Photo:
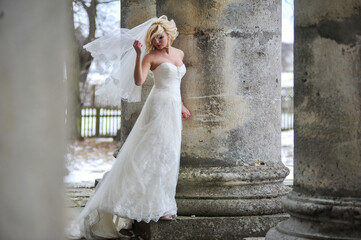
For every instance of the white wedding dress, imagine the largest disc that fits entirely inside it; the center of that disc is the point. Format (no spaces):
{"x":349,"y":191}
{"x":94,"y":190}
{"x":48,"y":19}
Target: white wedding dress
{"x":142,"y":182}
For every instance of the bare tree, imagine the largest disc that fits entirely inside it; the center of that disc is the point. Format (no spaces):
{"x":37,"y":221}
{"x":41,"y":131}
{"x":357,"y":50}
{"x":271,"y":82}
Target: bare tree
{"x":73,"y":103}
{"x":85,"y":58}
{"x":79,"y":64}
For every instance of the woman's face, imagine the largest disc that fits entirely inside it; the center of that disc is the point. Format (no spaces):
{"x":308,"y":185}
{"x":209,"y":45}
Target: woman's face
{"x":160,"y":41}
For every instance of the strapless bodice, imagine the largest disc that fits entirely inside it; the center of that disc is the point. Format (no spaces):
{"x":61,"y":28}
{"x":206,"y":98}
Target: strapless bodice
{"x":168,"y":76}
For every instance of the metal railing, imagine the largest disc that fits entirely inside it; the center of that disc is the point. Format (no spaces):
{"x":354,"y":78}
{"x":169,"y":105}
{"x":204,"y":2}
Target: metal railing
{"x":287,"y":108}
{"x":105,"y":122}
{"x":100,"y":122}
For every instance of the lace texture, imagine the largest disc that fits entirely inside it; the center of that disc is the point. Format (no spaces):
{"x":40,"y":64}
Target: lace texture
{"x":142,"y":182}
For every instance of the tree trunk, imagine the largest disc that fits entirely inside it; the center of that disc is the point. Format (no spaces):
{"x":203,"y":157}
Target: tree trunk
{"x":73,"y":103}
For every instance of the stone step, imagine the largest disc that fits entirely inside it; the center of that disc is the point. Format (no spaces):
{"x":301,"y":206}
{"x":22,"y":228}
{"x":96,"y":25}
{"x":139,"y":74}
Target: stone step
{"x":256,"y":238}
{"x":206,"y":228}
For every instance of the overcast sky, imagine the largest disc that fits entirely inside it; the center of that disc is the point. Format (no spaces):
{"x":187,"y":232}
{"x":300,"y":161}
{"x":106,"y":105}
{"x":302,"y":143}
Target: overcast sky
{"x":287,"y":21}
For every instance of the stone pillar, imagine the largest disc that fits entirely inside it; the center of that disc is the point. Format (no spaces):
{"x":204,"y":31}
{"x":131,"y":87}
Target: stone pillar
{"x":134,"y":13}
{"x":231,"y":176}
{"x":326,"y":199}
{"x":32,"y":132}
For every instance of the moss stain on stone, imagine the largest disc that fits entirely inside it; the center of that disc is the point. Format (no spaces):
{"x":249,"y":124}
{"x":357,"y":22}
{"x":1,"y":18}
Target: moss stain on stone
{"x":343,"y":31}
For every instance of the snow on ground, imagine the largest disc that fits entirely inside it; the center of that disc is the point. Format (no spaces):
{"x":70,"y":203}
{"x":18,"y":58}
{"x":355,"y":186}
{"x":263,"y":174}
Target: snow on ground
{"x":89,"y":159}
{"x":287,"y":152}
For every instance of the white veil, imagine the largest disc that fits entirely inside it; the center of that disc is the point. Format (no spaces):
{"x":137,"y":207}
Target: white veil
{"x":116,"y":51}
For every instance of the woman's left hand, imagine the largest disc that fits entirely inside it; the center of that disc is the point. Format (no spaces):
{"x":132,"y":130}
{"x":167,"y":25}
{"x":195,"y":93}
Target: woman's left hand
{"x":137,"y":45}
{"x":185,"y":113}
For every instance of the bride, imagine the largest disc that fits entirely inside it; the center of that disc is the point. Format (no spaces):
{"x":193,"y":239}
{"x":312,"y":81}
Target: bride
{"x":142,"y":182}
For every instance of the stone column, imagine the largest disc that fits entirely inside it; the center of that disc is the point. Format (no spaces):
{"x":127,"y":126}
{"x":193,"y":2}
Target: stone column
{"x":326,"y":199}
{"x":231,"y":175}
{"x":134,"y":13}
{"x":32,"y":132}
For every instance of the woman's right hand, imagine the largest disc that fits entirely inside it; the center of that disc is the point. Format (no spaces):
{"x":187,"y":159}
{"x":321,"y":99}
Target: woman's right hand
{"x":185,"y":112}
{"x":138,"y":47}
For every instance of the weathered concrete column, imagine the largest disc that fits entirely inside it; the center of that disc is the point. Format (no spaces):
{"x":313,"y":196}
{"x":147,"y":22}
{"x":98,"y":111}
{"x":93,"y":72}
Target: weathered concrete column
{"x":326,"y":199}
{"x":134,"y":13}
{"x":32,"y":133}
{"x":231,"y":175}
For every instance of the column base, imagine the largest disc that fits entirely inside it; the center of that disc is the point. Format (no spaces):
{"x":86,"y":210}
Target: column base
{"x":190,"y":228}
{"x":231,"y":191}
{"x":295,"y":229}
{"x":319,"y":218}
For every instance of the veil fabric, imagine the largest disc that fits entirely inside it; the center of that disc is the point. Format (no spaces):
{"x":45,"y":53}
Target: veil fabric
{"x":116,"y":51}
{"x":142,"y":183}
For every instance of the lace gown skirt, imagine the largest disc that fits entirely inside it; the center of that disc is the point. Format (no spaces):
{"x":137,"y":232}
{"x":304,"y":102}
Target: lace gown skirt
{"x":142,"y":182}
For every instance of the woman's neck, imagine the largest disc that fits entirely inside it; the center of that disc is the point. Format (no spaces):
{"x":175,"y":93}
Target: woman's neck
{"x":164,"y":50}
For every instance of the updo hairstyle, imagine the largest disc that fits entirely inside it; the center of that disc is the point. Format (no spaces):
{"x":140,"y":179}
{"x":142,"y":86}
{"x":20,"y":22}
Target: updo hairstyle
{"x":162,"y":24}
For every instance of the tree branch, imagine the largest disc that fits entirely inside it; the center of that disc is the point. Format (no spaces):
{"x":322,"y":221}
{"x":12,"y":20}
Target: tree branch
{"x":92,"y":12}
{"x":83,"y":4}
{"x":110,"y":1}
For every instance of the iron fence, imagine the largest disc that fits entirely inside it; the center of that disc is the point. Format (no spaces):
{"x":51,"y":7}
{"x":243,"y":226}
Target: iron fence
{"x":105,"y":122}
{"x":100,"y":122}
{"x":287,"y":108}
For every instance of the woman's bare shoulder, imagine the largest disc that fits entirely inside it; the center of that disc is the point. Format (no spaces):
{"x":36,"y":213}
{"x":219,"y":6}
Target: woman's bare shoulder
{"x":151,"y":54}
{"x":149,"y":57}
{"x":179,"y":52}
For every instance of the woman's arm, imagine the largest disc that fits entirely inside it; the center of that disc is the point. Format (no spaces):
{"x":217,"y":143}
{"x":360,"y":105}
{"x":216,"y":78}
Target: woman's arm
{"x":142,"y":68}
{"x":185,"y":112}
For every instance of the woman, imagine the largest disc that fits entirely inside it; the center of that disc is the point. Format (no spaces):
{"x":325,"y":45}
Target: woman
{"x":142,"y":182}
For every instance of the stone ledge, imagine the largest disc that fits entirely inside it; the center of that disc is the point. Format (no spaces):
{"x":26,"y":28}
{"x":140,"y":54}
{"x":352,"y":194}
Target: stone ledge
{"x":190,"y":228}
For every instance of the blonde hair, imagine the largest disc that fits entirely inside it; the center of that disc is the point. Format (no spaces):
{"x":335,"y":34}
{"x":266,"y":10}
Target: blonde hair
{"x":162,"y":24}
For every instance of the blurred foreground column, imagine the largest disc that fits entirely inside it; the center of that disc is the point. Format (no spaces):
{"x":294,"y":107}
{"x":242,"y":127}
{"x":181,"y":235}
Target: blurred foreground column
{"x":231,"y":176}
{"x":32,"y":37}
{"x":326,"y":199}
